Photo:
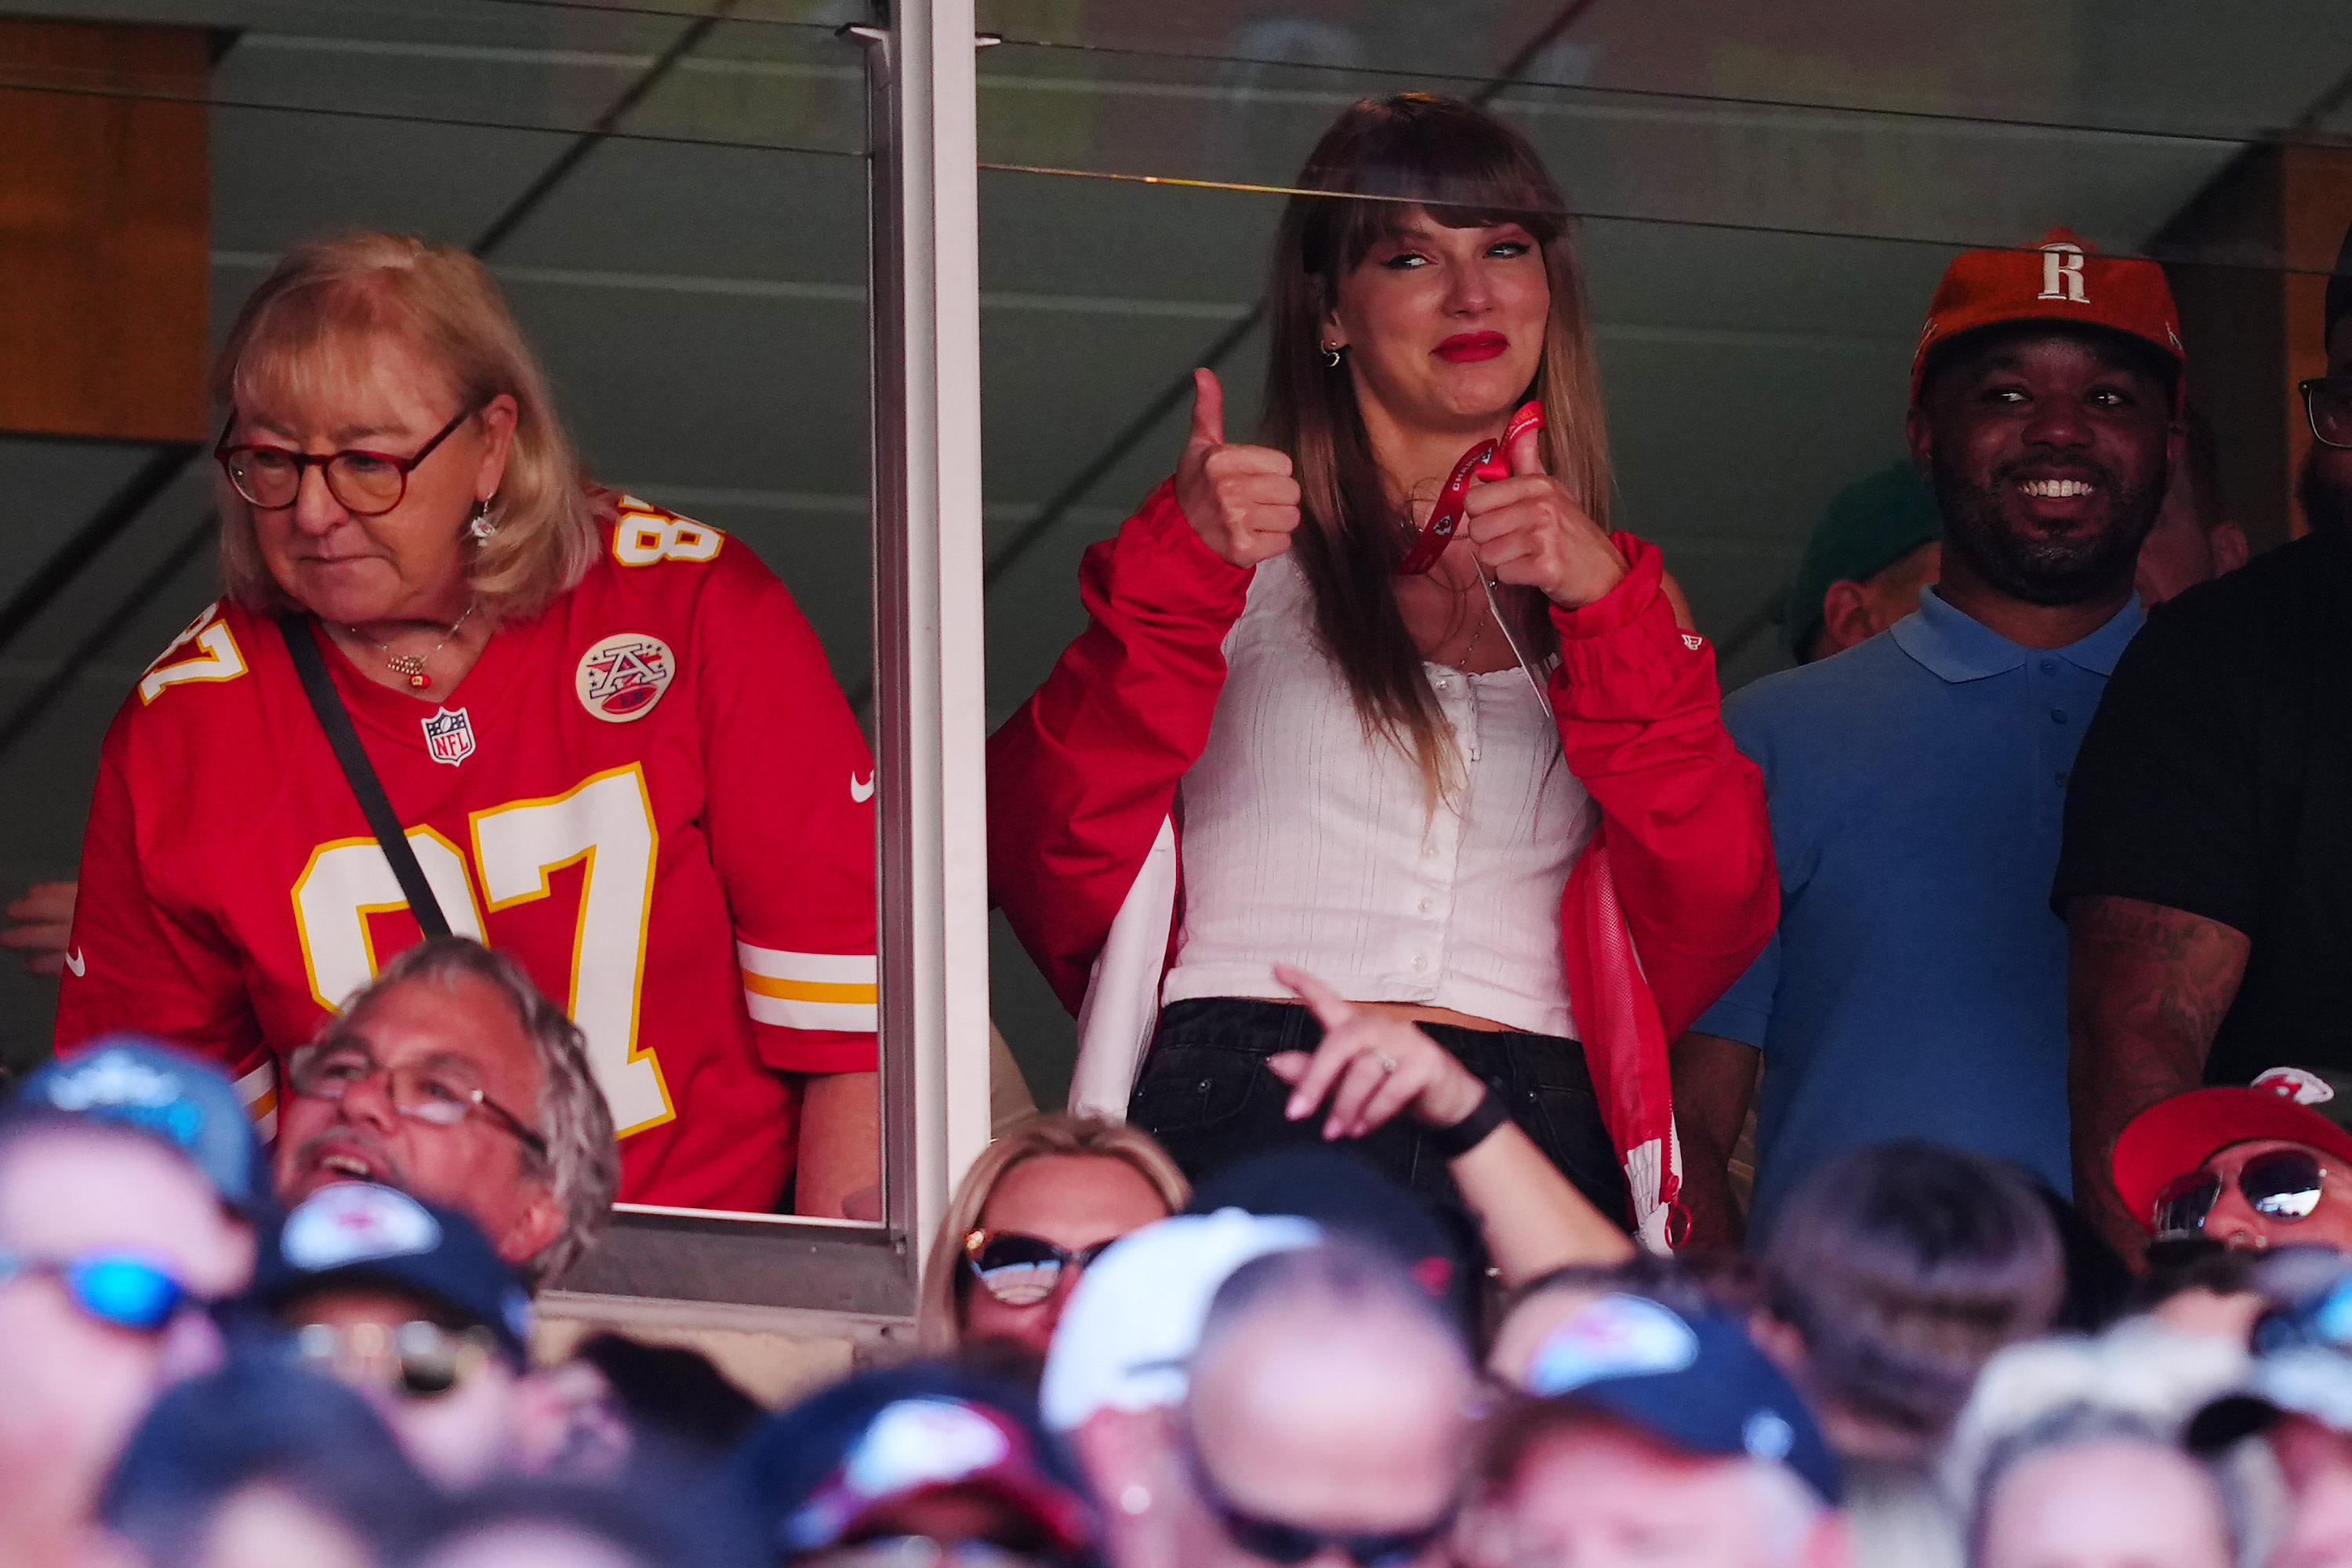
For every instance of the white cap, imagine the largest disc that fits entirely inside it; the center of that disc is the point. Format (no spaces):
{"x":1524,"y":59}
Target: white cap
{"x":1126,"y":1336}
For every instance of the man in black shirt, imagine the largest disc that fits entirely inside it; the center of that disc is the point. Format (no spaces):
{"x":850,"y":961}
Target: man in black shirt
{"x":2206,"y":877}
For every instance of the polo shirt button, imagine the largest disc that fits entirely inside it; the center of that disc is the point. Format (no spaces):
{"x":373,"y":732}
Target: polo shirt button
{"x":2057,"y":715}
{"x":1429,"y":851}
{"x":2049,"y":667}
{"x":1420,"y":960}
{"x":1427,"y":904}
{"x":2061,"y":781}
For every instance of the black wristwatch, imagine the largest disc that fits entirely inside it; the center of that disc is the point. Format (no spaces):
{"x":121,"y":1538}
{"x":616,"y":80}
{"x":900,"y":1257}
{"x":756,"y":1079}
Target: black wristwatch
{"x":1470,"y":1131}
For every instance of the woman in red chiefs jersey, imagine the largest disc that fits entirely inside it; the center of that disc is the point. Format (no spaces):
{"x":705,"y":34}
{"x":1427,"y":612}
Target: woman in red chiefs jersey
{"x":610,"y":738}
{"x":1301,"y":700}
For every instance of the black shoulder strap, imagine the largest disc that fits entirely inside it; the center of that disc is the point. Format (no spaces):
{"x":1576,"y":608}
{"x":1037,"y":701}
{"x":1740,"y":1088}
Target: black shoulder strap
{"x":302,"y":643}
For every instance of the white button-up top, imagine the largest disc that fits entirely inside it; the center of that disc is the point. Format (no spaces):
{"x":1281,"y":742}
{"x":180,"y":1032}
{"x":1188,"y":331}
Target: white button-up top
{"x":1307,"y":841}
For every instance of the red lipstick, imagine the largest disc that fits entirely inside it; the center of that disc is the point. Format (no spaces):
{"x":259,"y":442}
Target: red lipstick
{"x":1469,"y":348}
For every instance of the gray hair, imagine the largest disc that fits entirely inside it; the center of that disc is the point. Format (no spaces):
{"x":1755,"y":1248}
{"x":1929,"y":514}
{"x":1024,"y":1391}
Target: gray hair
{"x":582,"y":1163}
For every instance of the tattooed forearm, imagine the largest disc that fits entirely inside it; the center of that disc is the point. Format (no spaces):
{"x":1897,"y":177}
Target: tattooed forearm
{"x":2147,"y":989}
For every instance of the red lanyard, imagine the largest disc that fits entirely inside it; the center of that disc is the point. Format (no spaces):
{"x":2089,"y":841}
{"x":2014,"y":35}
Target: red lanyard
{"x":1486,"y":460}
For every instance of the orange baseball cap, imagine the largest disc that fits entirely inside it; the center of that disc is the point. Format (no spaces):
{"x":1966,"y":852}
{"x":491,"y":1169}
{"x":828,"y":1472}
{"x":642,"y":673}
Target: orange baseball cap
{"x":2173,"y":1137}
{"x":2060,"y":279}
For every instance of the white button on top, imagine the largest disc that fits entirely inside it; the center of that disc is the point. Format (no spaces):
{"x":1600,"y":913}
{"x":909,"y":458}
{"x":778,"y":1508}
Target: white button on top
{"x":1429,"y":851}
{"x":1420,"y":960}
{"x":1426,"y":905}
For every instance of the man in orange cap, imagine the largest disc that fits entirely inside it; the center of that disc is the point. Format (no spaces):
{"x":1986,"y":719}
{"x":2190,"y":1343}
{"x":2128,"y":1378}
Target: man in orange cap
{"x":1916,"y":987}
{"x":2206,"y":878}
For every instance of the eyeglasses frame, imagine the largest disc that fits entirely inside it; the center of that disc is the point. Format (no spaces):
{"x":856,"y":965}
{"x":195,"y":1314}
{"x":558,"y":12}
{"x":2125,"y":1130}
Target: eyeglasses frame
{"x":2306,"y":388}
{"x":1234,"y":1522}
{"x":325,"y":461}
{"x":480,"y":1101}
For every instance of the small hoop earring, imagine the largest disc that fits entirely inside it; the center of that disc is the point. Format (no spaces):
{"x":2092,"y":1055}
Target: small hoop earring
{"x":1332,"y":355}
{"x":481,"y":525}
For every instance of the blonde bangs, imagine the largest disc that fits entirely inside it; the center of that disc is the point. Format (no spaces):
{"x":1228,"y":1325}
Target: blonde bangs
{"x":312,"y":324}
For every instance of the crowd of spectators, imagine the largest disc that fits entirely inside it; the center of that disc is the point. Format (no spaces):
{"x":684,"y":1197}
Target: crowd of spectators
{"x":1530,"y":1112}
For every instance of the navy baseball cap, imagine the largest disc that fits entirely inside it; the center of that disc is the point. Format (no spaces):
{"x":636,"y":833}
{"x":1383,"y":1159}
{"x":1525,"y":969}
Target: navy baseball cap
{"x":167,"y":1094}
{"x":357,"y":1232}
{"x":827,"y":1468}
{"x":1698,"y":1383}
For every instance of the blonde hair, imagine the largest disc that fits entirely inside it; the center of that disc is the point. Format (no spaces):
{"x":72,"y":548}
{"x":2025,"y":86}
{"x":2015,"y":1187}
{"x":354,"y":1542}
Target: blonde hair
{"x":938,"y":1317}
{"x":309,"y":324}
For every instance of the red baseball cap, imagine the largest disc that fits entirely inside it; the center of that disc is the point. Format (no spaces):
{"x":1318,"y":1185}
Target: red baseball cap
{"x":2175,"y":1136}
{"x":2060,"y":279}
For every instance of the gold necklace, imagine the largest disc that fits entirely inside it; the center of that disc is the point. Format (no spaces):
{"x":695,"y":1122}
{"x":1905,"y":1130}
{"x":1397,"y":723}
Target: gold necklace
{"x":409,"y":665}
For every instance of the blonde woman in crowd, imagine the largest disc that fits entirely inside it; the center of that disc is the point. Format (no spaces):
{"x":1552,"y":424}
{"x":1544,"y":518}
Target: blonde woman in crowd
{"x":1041,"y":1204}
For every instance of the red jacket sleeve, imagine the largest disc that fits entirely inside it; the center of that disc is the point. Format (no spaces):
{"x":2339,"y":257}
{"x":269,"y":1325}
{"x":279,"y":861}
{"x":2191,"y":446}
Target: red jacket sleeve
{"x":135,"y":964}
{"x":1081,"y":777}
{"x":1640,"y":719}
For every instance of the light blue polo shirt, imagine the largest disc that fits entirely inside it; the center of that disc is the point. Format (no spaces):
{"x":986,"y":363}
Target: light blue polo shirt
{"x":1917,"y":985}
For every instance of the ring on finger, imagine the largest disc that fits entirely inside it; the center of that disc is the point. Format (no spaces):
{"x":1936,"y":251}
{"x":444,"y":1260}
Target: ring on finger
{"x":1387,"y":1063}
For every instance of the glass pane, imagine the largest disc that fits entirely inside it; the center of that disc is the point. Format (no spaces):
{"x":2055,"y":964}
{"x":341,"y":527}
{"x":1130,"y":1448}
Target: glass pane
{"x":676,"y":212}
{"x":1766,"y":197}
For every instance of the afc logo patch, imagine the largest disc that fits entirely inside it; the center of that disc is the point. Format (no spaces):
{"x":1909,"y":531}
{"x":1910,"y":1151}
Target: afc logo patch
{"x":449,"y":736}
{"x":622,"y":677}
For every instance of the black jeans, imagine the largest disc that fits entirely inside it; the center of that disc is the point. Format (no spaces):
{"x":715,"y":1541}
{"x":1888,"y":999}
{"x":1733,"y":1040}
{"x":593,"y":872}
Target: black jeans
{"x":1206,"y":1095}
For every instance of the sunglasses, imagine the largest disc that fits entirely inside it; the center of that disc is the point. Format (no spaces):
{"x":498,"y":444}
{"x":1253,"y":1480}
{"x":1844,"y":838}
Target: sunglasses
{"x":2284,"y":1184}
{"x":1022,"y":1270}
{"x":120,"y":1289}
{"x":1277,"y":1541}
{"x":417,"y":1359}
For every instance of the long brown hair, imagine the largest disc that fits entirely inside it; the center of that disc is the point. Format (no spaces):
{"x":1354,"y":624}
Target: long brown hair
{"x":1384,"y":160}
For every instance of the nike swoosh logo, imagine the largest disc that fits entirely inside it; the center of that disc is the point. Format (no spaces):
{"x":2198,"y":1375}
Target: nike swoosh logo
{"x":859,"y":792}
{"x":74,"y":962}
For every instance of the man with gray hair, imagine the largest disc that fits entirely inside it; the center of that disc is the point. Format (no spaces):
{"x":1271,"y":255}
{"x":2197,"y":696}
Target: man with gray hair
{"x":451,"y":1077}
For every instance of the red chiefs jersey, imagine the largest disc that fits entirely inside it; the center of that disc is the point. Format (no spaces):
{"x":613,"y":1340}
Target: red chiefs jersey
{"x":652,"y":794}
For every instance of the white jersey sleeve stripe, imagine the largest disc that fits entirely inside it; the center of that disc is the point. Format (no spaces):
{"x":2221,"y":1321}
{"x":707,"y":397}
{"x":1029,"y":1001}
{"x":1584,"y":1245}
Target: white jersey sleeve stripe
{"x":808,"y":968}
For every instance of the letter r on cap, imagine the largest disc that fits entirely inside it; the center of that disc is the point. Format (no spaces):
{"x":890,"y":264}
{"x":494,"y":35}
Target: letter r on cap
{"x":2061,"y":274}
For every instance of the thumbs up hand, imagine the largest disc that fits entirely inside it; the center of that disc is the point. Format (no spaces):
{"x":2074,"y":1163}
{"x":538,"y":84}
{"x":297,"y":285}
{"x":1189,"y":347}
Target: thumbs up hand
{"x":1529,"y":529}
{"x":1242,"y":500}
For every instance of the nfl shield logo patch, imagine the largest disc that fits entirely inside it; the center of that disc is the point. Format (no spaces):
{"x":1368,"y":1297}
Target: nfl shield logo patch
{"x":449,"y":736}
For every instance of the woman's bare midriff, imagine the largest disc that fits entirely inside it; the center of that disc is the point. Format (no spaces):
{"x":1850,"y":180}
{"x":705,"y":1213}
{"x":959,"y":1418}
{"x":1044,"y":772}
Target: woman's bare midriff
{"x":1414,"y":1013}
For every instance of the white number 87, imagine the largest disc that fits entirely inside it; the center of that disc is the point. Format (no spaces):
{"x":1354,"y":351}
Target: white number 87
{"x":608,"y":822}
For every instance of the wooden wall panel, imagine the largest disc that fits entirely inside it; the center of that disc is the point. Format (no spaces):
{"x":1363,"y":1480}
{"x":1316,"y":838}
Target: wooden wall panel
{"x":2248,"y":260}
{"x":104,"y":230}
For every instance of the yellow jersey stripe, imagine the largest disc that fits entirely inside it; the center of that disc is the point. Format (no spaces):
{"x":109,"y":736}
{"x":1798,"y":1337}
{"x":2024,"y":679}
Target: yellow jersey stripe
{"x":812,"y":990}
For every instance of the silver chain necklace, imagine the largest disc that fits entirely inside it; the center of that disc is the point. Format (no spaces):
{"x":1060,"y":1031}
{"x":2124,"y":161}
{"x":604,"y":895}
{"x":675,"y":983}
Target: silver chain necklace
{"x":410,"y":666}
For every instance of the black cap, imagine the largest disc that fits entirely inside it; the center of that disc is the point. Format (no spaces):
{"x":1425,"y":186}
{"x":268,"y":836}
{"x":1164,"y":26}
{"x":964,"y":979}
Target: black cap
{"x":1695,"y":1383}
{"x":359,"y":1233}
{"x":1347,"y":1194}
